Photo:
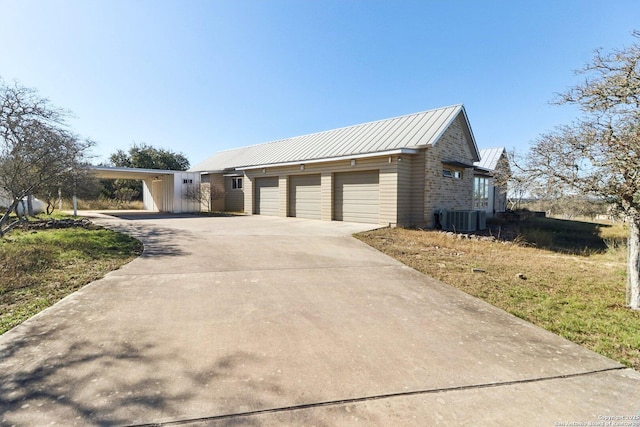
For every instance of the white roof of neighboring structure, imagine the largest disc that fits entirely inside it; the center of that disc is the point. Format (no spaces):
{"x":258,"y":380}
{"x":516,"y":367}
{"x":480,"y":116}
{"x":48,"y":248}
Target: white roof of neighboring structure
{"x":406,"y":132}
{"x":110,"y":172}
{"x":489,"y":158}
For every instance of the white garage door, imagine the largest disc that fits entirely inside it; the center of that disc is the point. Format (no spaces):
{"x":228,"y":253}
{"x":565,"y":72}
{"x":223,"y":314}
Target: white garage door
{"x":304,"y":196}
{"x":356,"y":197}
{"x":267,"y":196}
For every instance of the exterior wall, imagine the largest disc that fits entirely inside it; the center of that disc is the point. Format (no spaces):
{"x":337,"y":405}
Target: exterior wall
{"x":410,"y":184}
{"x":233,"y":197}
{"x":387,"y":165}
{"x":326,"y":196}
{"x":147,"y":200}
{"x":165,"y":193}
{"x":157,"y":193}
{"x":216,"y":183}
{"x":181,"y":181}
{"x":417,"y":187}
{"x":283,"y":186}
{"x":444,"y":192}
{"x":248,"y":195}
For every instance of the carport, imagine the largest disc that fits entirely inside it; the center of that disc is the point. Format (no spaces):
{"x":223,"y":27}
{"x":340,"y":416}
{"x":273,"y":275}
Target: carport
{"x":162,"y":190}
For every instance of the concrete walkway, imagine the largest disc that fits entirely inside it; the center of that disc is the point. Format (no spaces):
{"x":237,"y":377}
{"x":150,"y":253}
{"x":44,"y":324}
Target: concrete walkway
{"x":274,"y":321}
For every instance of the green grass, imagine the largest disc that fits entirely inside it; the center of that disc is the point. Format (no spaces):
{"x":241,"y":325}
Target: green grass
{"x":576,"y":289}
{"x":37,"y":269}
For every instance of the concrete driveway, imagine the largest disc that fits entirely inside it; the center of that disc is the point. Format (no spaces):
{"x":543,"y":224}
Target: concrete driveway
{"x":274,"y":321}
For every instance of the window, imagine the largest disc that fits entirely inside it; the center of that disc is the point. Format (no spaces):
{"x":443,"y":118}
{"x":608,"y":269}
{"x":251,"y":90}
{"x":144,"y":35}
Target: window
{"x":236,"y":183}
{"x":187,"y":181}
{"x":452,"y":173}
{"x":480,"y":192}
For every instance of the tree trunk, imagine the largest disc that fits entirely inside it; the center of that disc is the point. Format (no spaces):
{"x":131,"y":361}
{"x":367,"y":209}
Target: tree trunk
{"x":633,"y":264}
{"x":4,"y":228}
{"x":30,"y":205}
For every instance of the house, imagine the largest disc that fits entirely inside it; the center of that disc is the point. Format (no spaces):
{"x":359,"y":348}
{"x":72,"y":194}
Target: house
{"x":399,"y":171}
{"x":490,"y":195}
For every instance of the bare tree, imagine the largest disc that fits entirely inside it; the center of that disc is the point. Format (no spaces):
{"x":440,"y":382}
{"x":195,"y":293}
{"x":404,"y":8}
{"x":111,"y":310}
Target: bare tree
{"x":512,"y":178}
{"x":205,"y":193}
{"x":599,"y":155}
{"x":36,"y":147}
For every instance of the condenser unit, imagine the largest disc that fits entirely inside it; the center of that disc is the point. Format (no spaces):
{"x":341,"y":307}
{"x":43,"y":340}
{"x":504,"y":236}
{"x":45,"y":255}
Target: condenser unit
{"x":482,"y":220}
{"x":444,"y":217}
{"x":464,"y":221}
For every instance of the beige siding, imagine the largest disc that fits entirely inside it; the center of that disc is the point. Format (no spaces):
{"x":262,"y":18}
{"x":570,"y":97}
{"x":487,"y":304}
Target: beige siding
{"x":388,"y":185}
{"x":233,"y":197}
{"x":417,"y":178}
{"x":249,"y":205}
{"x":216,"y":183}
{"x":305,"y":196}
{"x":283,"y":195}
{"x":443,"y":192}
{"x":326,"y":196}
{"x":405,"y":189}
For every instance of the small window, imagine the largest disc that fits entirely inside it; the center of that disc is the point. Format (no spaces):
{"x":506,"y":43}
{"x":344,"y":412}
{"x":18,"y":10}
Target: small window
{"x":187,"y":181}
{"x":449,"y":173}
{"x":236,"y":183}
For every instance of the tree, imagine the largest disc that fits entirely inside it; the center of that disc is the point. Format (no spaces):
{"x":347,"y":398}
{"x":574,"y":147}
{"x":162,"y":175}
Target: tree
{"x":141,"y":156}
{"x":205,"y":194}
{"x":599,"y":154}
{"x":514,"y":177}
{"x":82,"y":183}
{"x":36,"y":147}
{"x":147,"y":157}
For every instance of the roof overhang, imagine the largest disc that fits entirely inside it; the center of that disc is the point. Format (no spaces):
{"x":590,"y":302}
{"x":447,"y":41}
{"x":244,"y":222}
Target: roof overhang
{"x":333,"y":159}
{"x":457,"y":164}
{"x":109,"y":172}
{"x":482,"y":171}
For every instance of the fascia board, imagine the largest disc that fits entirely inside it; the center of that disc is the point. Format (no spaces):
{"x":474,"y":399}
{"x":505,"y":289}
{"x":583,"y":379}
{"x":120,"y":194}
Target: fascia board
{"x":333,"y":159}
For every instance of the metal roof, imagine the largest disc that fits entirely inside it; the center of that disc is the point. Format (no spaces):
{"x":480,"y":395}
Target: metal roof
{"x":404,"y":132}
{"x":109,"y":172}
{"x":489,"y":158}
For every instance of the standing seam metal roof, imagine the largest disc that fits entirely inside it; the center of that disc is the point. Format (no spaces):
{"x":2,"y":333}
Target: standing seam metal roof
{"x":409,"y":131}
{"x":489,"y":158}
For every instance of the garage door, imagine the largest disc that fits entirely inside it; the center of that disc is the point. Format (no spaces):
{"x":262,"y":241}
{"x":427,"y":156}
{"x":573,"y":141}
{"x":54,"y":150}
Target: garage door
{"x":267,"y":196}
{"x":356,"y":197}
{"x":304,"y":196}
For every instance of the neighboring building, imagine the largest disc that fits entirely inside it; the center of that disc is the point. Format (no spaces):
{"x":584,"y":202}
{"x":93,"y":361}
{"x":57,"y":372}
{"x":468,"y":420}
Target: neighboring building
{"x":399,"y":171}
{"x":488,"y":195}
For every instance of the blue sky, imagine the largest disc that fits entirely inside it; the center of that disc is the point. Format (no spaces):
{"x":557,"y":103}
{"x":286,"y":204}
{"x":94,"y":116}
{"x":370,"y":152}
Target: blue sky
{"x":197,"y":76}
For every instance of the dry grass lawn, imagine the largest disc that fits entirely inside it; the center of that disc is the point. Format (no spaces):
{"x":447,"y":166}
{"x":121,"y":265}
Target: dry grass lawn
{"x":578,"y":294}
{"x":37,"y":269}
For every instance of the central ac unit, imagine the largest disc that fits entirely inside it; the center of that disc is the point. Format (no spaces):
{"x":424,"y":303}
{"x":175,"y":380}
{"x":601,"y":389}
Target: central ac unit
{"x":463,"y":221}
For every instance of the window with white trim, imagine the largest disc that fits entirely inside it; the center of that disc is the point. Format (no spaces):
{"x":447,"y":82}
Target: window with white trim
{"x":236,"y":183}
